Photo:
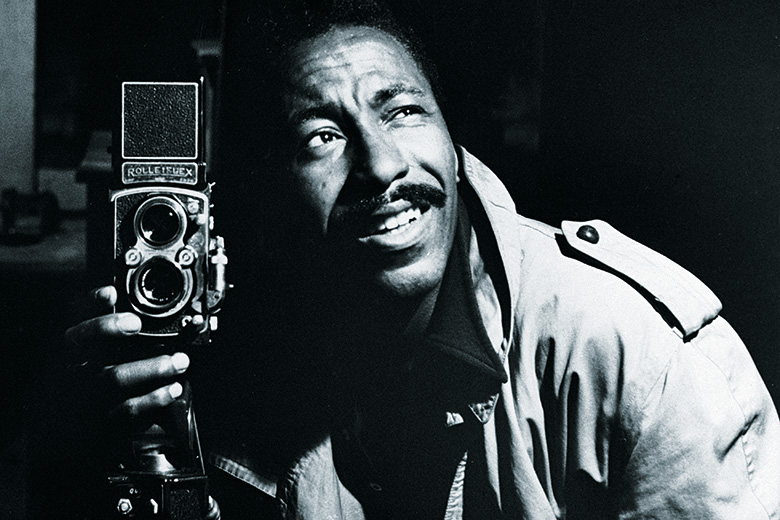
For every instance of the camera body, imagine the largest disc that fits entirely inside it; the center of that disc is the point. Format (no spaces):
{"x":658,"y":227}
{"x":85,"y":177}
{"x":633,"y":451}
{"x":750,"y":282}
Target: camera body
{"x":169,"y":269}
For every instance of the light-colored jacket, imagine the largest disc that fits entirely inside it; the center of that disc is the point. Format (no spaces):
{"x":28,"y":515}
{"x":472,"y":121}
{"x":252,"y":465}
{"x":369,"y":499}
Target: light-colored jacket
{"x":627,"y":392}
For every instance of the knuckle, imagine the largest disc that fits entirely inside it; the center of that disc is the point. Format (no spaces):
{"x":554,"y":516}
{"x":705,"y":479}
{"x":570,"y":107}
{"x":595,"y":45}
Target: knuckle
{"x":110,"y":322}
{"x":164,"y":366}
{"x":161,"y":397}
{"x":114,"y":375}
{"x":131,"y":408}
{"x":78,"y":334}
{"x":101,"y":326}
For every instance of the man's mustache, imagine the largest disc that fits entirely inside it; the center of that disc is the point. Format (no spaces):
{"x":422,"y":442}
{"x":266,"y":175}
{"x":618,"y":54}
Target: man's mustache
{"x":419,"y":195}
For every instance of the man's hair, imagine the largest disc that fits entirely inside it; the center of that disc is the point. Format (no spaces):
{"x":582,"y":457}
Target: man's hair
{"x":281,"y":27}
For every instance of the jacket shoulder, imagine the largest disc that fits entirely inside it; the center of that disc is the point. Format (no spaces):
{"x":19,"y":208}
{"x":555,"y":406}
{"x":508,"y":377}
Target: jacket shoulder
{"x":590,"y":253}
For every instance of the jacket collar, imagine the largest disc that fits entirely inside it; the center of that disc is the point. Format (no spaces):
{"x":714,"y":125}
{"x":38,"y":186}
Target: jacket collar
{"x":502,"y":215}
{"x":456,"y":326}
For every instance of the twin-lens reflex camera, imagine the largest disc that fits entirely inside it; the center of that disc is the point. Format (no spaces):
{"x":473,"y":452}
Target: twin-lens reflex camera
{"x":170,"y":270}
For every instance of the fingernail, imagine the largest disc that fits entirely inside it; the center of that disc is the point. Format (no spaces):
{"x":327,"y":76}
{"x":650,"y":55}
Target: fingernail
{"x":175,"y":390}
{"x":180,"y":361}
{"x":129,"y":323}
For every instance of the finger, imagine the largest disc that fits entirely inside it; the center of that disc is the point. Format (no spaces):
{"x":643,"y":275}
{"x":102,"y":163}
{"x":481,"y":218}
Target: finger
{"x":103,"y":298}
{"x":137,"y":406}
{"x":146,"y":372}
{"x":84,"y":339}
{"x":109,"y":325}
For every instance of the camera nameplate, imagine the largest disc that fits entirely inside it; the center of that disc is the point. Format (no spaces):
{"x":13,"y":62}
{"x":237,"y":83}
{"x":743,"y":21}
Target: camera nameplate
{"x":177,"y":173}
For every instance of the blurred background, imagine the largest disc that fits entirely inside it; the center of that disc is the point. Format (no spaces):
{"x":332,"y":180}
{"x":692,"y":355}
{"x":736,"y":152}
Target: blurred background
{"x":662,"y":118}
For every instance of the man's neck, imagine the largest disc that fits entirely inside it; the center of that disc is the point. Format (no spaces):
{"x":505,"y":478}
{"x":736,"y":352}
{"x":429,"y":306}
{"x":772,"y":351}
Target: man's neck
{"x":378,"y":334}
{"x":390,"y":316}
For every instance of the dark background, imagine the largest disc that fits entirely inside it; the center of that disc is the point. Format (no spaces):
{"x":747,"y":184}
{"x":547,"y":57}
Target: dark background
{"x":662,"y":118}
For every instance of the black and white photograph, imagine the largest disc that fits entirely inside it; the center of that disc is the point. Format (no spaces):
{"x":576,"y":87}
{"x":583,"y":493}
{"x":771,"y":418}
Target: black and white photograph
{"x":389,"y":259}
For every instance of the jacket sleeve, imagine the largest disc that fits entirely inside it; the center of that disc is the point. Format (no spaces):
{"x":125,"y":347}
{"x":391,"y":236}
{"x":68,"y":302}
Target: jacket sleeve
{"x":708,"y":444}
{"x":691,"y":429}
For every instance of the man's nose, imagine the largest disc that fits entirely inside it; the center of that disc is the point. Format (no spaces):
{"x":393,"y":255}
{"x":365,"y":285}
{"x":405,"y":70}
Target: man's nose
{"x":378,"y":161}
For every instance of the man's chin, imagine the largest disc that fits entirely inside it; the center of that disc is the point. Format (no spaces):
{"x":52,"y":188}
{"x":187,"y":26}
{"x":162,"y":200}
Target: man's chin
{"x":411,"y":281}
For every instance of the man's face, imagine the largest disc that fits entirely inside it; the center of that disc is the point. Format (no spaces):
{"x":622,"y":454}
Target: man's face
{"x":372,"y":159}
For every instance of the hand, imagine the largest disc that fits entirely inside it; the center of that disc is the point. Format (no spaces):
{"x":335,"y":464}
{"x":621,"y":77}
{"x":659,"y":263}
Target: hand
{"x":142,"y":386}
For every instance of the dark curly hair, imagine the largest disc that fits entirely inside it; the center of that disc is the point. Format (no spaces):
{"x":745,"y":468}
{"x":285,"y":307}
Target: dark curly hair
{"x":279,"y":26}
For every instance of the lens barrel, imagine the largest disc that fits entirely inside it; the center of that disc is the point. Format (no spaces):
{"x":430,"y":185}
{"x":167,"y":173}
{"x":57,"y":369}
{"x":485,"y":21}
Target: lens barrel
{"x":160,"y":287}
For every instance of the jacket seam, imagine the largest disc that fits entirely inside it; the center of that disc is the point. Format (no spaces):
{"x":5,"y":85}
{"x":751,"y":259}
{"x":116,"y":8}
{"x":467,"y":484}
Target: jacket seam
{"x":548,"y":233}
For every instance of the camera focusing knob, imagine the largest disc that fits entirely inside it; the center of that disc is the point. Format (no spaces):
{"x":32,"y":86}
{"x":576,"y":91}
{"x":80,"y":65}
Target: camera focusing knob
{"x":133,"y":257}
{"x":186,"y":256}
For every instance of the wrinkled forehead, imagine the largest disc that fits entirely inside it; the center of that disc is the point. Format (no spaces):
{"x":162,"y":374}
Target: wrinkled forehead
{"x":350,"y":54}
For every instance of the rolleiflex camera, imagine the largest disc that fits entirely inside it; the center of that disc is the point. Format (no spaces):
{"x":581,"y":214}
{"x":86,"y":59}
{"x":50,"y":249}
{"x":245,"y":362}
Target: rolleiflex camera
{"x":170,"y":270}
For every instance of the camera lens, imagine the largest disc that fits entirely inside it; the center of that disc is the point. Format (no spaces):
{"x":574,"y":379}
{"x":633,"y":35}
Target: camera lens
{"x":160,"y":285}
{"x":160,"y":221}
{"x":159,"y":224}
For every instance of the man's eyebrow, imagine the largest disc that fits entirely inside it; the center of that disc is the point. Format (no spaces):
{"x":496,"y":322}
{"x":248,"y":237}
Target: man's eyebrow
{"x":386,"y":94}
{"x":323,"y":111}
{"x":330,"y":111}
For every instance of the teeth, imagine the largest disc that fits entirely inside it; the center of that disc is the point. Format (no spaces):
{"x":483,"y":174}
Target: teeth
{"x":391,"y":223}
{"x":405,"y":217}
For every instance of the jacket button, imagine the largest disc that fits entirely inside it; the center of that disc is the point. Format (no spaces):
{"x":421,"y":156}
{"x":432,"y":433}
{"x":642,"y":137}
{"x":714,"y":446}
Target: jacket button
{"x":588,"y":234}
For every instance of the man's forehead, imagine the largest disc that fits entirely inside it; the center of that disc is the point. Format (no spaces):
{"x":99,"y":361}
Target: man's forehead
{"x":370,"y":56}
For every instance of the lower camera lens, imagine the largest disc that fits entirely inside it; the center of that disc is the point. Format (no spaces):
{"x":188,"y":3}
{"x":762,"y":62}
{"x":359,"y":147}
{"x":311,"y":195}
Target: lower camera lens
{"x":159,"y":285}
{"x":160,"y":221}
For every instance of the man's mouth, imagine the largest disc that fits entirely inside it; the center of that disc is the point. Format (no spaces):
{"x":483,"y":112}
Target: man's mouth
{"x":397,"y":222}
{"x":396,"y":227}
{"x":391,"y":221}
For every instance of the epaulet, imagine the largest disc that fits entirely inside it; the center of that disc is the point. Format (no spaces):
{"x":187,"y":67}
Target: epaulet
{"x":691,"y":303}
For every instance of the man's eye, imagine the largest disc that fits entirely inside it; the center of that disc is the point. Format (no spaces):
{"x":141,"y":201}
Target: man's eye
{"x":406,"y":111}
{"x":321,"y":139}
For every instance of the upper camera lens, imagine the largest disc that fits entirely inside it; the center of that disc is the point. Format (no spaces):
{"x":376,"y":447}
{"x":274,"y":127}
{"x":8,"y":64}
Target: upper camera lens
{"x":160,"y":221}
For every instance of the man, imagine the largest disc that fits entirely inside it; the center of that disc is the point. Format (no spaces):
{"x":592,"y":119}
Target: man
{"x":478,"y":364}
